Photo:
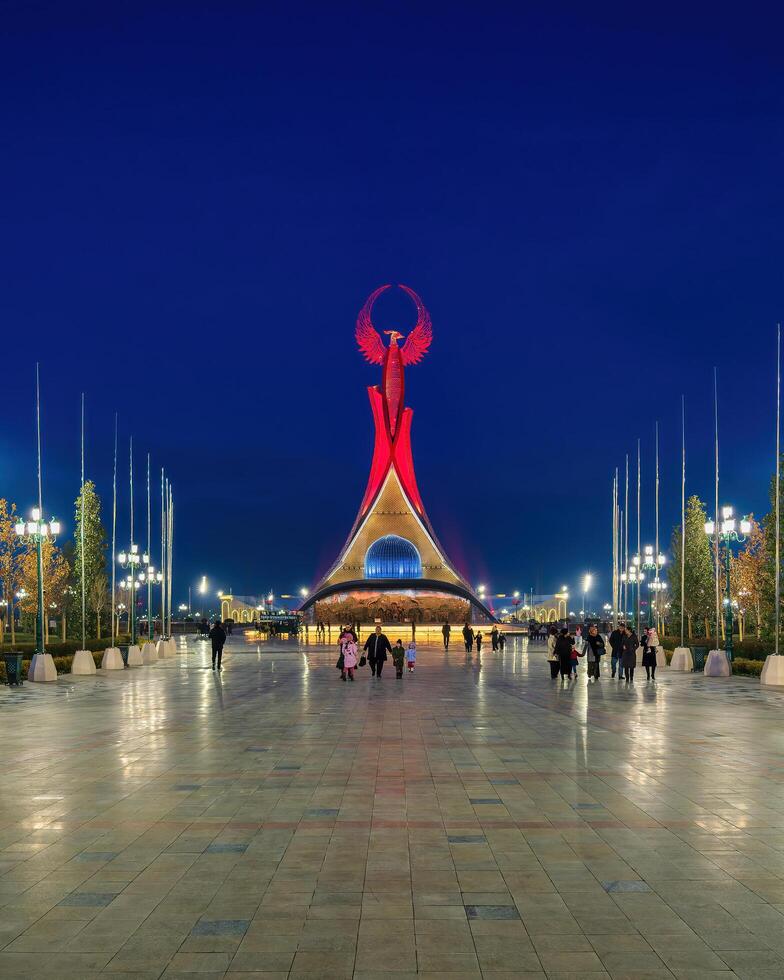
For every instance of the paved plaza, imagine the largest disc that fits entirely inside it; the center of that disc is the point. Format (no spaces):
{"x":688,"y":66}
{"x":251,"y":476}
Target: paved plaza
{"x":471,"y":820}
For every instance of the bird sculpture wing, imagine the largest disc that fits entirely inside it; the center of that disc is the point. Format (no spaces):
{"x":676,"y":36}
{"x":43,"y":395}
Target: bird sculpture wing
{"x":368,"y":338}
{"x":418,"y":341}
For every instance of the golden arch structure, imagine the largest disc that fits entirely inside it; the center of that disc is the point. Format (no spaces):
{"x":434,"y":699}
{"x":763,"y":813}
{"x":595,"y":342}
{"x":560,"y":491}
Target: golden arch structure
{"x":241,"y":608}
{"x":549,"y":609}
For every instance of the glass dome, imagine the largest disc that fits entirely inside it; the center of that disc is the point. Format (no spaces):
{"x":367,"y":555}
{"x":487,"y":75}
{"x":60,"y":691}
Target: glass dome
{"x":392,"y":557}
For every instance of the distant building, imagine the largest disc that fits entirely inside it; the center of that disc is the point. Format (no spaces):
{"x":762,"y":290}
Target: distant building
{"x":240,"y":608}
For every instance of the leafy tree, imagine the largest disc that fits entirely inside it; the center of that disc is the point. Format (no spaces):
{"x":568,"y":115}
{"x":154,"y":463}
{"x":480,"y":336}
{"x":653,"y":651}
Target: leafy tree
{"x":749,"y":572}
{"x":98,"y":599}
{"x":769,"y":590}
{"x":94,"y":559}
{"x":10,"y":561}
{"x":699,"y":592}
{"x":56,"y":575}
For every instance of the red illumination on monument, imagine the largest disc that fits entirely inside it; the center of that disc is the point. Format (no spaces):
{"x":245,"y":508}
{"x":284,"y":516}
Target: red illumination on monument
{"x":392,"y":419}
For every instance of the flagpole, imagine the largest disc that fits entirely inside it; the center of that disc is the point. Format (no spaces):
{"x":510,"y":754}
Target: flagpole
{"x":639,"y":546}
{"x":114,"y":532}
{"x":716,"y":518}
{"x":81,"y":543}
{"x":656,"y":572}
{"x":626,"y":544}
{"x":164,"y":566}
{"x":778,"y":487}
{"x":683,"y":518}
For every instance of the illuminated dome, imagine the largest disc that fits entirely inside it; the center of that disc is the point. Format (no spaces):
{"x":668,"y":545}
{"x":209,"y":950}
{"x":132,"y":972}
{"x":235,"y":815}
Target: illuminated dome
{"x":392,"y":557}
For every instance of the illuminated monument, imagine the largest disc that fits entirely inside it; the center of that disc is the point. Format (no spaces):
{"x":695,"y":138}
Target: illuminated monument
{"x":392,"y":567}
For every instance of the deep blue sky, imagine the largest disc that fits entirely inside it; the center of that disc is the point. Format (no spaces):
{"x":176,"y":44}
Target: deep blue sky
{"x":197,"y":198}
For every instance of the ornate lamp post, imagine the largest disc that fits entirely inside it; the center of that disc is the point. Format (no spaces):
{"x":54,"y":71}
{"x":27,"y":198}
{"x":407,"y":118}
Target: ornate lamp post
{"x":657,"y":589}
{"x":635,"y":577}
{"x":652,"y":563}
{"x":36,"y":531}
{"x":587,"y":579}
{"x":729,"y":532}
{"x":149,"y":575}
{"x":132,"y":560}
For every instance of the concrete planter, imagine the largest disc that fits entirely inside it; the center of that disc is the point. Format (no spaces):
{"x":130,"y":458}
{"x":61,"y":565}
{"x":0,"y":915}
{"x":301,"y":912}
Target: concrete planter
{"x":83,"y":663}
{"x":717,"y":664}
{"x":42,"y":668}
{"x":112,"y":659}
{"x":682,"y":659}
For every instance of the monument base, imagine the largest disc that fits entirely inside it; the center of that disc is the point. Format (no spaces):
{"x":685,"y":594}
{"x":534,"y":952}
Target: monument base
{"x":42,"y":668}
{"x":717,"y":664}
{"x":661,"y":657}
{"x":682,"y":659}
{"x":773,"y":672}
{"x":162,"y":646}
{"x":112,"y":659}
{"x":83,"y":663}
{"x":149,"y":654}
{"x":134,"y":656}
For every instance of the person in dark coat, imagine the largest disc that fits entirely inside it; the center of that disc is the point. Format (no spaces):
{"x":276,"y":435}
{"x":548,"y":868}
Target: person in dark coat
{"x":563,"y":651}
{"x":629,"y":653}
{"x":649,"y":647}
{"x":494,"y":638}
{"x":446,"y":630}
{"x":218,"y":637}
{"x":595,"y":643}
{"x":398,"y":656}
{"x":468,"y":638}
{"x":377,"y":646}
{"x":616,"y":646}
{"x":478,"y":639}
{"x":501,"y":642}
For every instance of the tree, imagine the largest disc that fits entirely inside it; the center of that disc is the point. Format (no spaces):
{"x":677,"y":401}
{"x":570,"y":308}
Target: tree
{"x":699,"y":592}
{"x":769,"y":590}
{"x":94,"y":558}
{"x":749,"y":572}
{"x":11,"y":553}
{"x":56,"y":575}
{"x":98,"y":599}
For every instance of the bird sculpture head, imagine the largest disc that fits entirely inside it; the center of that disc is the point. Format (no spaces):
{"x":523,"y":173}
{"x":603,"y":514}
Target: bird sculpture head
{"x":394,"y":336}
{"x":417,"y":341}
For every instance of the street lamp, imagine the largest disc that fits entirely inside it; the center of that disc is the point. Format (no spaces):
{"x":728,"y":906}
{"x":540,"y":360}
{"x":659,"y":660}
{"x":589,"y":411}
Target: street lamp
{"x":36,"y":531}
{"x":132,"y":560}
{"x":658,"y":588}
{"x":728,"y":532}
{"x":152,"y":577}
{"x":587,"y":579}
{"x":652,"y":563}
{"x":635,"y":577}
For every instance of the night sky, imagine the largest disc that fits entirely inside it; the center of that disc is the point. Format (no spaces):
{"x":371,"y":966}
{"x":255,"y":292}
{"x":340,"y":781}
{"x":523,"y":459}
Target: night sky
{"x":198,"y":197}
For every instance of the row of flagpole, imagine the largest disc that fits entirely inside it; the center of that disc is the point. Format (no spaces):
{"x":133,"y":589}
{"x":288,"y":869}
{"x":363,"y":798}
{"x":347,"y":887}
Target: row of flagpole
{"x":620,"y":518}
{"x":167,"y":534}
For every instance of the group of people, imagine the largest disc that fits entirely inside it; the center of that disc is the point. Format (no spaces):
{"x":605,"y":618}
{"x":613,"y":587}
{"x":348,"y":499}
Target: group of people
{"x":471,"y":637}
{"x":376,"y":652}
{"x":565,"y":651}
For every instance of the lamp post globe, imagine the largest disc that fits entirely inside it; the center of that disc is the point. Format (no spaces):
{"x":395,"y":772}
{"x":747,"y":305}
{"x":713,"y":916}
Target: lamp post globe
{"x":728,"y":531}
{"x":36,"y":531}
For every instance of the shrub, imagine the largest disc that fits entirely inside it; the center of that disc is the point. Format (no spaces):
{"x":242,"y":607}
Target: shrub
{"x":749,"y":668}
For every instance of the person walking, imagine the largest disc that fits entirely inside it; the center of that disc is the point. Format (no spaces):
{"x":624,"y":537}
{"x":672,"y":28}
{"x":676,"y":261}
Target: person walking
{"x":377,"y":646}
{"x":468,"y":638}
{"x":616,"y":647}
{"x":398,"y":657}
{"x":411,"y":656}
{"x":494,"y":638}
{"x":446,"y":631}
{"x":478,"y":641}
{"x":629,"y":654}
{"x":563,"y":651}
{"x":218,"y":637}
{"x":650,"y":646}
{"x":501,"y":641}
{"x":596,"y":649}
{"x":552,"y":657}
{"x":349,"y":651}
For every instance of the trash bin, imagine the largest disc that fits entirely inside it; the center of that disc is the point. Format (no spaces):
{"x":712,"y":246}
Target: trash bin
{"x":13,"y":669}
{"x":699,"y":654}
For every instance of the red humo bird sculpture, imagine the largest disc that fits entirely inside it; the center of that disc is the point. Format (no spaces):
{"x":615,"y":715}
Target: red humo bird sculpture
{"x":393,"y":420}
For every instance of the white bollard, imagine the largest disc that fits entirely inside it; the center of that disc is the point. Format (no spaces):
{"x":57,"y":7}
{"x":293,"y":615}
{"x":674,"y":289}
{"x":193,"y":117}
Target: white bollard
{"x":134,"y":656}
{"x":682,"y":659}
{"x":112,"y":659}
{"x":661,"y":657}
{"x":773,"y":672}
{"x":83,"y":663}
{"x":171,"y":647}
{"x":149,"y":653}
{"x":42,"y":668}
{"x":717,"y":664}
{"x":163,"y":649}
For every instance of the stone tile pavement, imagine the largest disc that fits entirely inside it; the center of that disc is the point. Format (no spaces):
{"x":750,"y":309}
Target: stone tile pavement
{"x":472,"y":820}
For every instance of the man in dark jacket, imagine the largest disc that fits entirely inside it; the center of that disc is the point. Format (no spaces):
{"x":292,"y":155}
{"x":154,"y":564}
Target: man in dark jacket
{"x":468,"y":638}
{"x":595,"y":643}
{"x":446,"y":629}
{"x":563,"y":651}
{"x":616,"y":646}
{"x":218,"y":637}
{"x":377,"y":646}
